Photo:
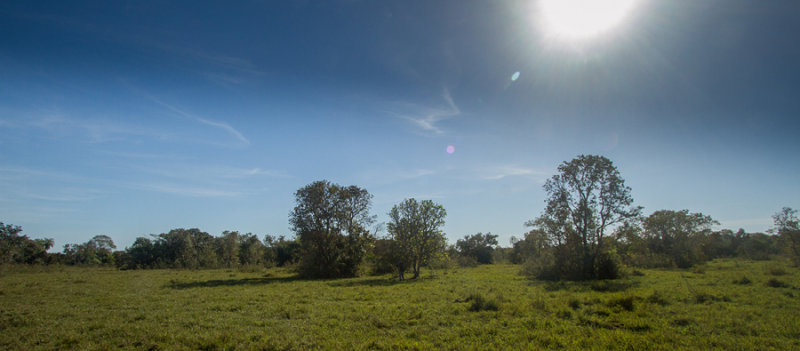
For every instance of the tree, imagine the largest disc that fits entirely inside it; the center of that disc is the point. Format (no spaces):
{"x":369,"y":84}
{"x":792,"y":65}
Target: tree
{"x":97,"y":251}
{"x":414,"y":229}
{"x":141,"y":254}
{"x":282,"y":251}
{"x":331,"y":224}
{"x":228,"y":248}
{"x":679,"y":235}
{"x":787,"y":228}
{"x":533,"y":244}
{"x":587,"y":197}
{"x":251,"y":250}
{"x":478,"y":246}
{"x":16,"y":248}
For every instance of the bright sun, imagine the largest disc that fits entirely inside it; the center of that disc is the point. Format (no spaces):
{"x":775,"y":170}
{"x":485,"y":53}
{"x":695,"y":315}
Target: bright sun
{"x":582,"y":19}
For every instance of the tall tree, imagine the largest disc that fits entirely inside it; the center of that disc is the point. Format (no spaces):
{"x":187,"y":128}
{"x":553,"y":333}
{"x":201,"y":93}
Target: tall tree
{"x":228,"y":248}
{"x":414,"y":229}
{"x":586,"y":198}
{"x":788,"y":229}
{"x":478,"y":246}
{"x":251,"y":250}
{"x":331,"y":222}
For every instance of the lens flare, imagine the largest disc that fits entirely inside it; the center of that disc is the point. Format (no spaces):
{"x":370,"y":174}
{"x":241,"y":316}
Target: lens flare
{"x":450,"y":149}
{"x":580,"y":19}
{"x":515,"y":76}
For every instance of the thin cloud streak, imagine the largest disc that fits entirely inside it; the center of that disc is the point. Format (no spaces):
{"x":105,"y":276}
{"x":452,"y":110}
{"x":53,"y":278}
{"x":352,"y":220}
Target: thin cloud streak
{"x":224,"y":126}
{"x":189,"y":191}
{"x":428,"y":122}
{"x":513,"y":171}
{"x":95,"y":131}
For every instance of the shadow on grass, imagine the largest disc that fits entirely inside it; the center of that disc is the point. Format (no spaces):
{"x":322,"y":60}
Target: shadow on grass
{"x":230,"y":282}
{"x":370,"y":282}
{"x":594,"y":285}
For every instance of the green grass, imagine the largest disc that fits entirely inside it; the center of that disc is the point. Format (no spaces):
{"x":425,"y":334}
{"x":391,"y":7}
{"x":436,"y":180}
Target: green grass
{"x":487,"y":307}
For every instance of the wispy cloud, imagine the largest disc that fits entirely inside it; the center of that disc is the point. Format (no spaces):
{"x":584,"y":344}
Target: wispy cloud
{"x":93,"y":131}
{"x":428,"y":118}
{"x":207,"y":173}
{"x":221,"y":125}
{"x":263,"y":172}
{"x":226,"y":127}
{"x":190,"y":191}
{"x":501,"y":172}
{"x":51,"y":186}
{"x":221,"y":69}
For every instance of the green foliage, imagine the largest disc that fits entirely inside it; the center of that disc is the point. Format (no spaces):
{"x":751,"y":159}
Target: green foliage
{"x":19,"y":249}
{"x":331,"y":223}
{"x":679,"y":235}
{"x":480,"y":303}
{"x":95,"y":252}
{"x":282,"y":251}
{"x":533,"y":244}
{"x":787,"y":226}
{"x":415,"y":235}
{"x":608,"y":265}
{"x":480,"y":247}
{"x":775,"y":283}
{"x":625,"y":302}
{"x":585,"y":198}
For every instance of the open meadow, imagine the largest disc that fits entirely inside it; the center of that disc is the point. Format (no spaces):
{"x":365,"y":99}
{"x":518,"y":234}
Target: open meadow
{"x":725,"y":304}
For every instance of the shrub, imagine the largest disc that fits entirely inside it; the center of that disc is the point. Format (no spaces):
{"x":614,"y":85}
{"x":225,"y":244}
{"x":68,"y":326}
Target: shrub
{"x":607,"y":266}
{"x":608,"y":286}
{"x":776,"y":270}
{"x":775,"y":283}
{"x":625,"y":302}
{"x":542,"y":267}
{"x":657,"y":298}
{"x":466,"y":261}
{"x":574,"y":303}
{"x":480,"y":303}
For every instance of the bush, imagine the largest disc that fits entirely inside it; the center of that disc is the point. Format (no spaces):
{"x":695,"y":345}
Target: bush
{"x":775,"y":283}
{"x":625,"y":302}
{"x":657,"y":298}
{"x":607,"y":266}
{"x":480,"y":303}
{"x":466,"y":261}
{"x":542,"y":267}
{"x":776,"y":270}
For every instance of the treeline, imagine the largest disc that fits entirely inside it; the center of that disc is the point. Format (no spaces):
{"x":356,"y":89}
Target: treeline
{"x":677,"y":244}
{"x":178,"y":248}
{"x":589,"y":229}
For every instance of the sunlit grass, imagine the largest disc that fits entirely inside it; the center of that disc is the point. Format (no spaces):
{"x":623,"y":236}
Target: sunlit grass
{"x":75,"y":308}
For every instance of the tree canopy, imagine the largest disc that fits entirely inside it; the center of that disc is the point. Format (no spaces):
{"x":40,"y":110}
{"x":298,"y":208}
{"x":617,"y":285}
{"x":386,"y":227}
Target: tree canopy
{"x":332,"y":223}
{"x":584,"y":199}
{"x":414,"y":229}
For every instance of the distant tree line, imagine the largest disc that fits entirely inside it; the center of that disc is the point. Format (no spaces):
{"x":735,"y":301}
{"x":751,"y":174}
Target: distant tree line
{"x":589,"y":229}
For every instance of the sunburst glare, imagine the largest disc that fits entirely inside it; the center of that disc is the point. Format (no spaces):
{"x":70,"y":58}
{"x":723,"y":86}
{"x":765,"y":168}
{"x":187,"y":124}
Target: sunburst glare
{"x":582,"y":19}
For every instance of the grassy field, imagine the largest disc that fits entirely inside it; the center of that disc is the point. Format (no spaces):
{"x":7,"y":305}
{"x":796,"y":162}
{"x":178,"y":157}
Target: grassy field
{"x":727,"y":304}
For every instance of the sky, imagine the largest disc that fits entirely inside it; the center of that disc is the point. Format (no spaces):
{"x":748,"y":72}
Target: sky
{"x":130,"y":118}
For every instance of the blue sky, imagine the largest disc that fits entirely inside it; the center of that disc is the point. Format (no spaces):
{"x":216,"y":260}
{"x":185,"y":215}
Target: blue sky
{"x":128,"y":118}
